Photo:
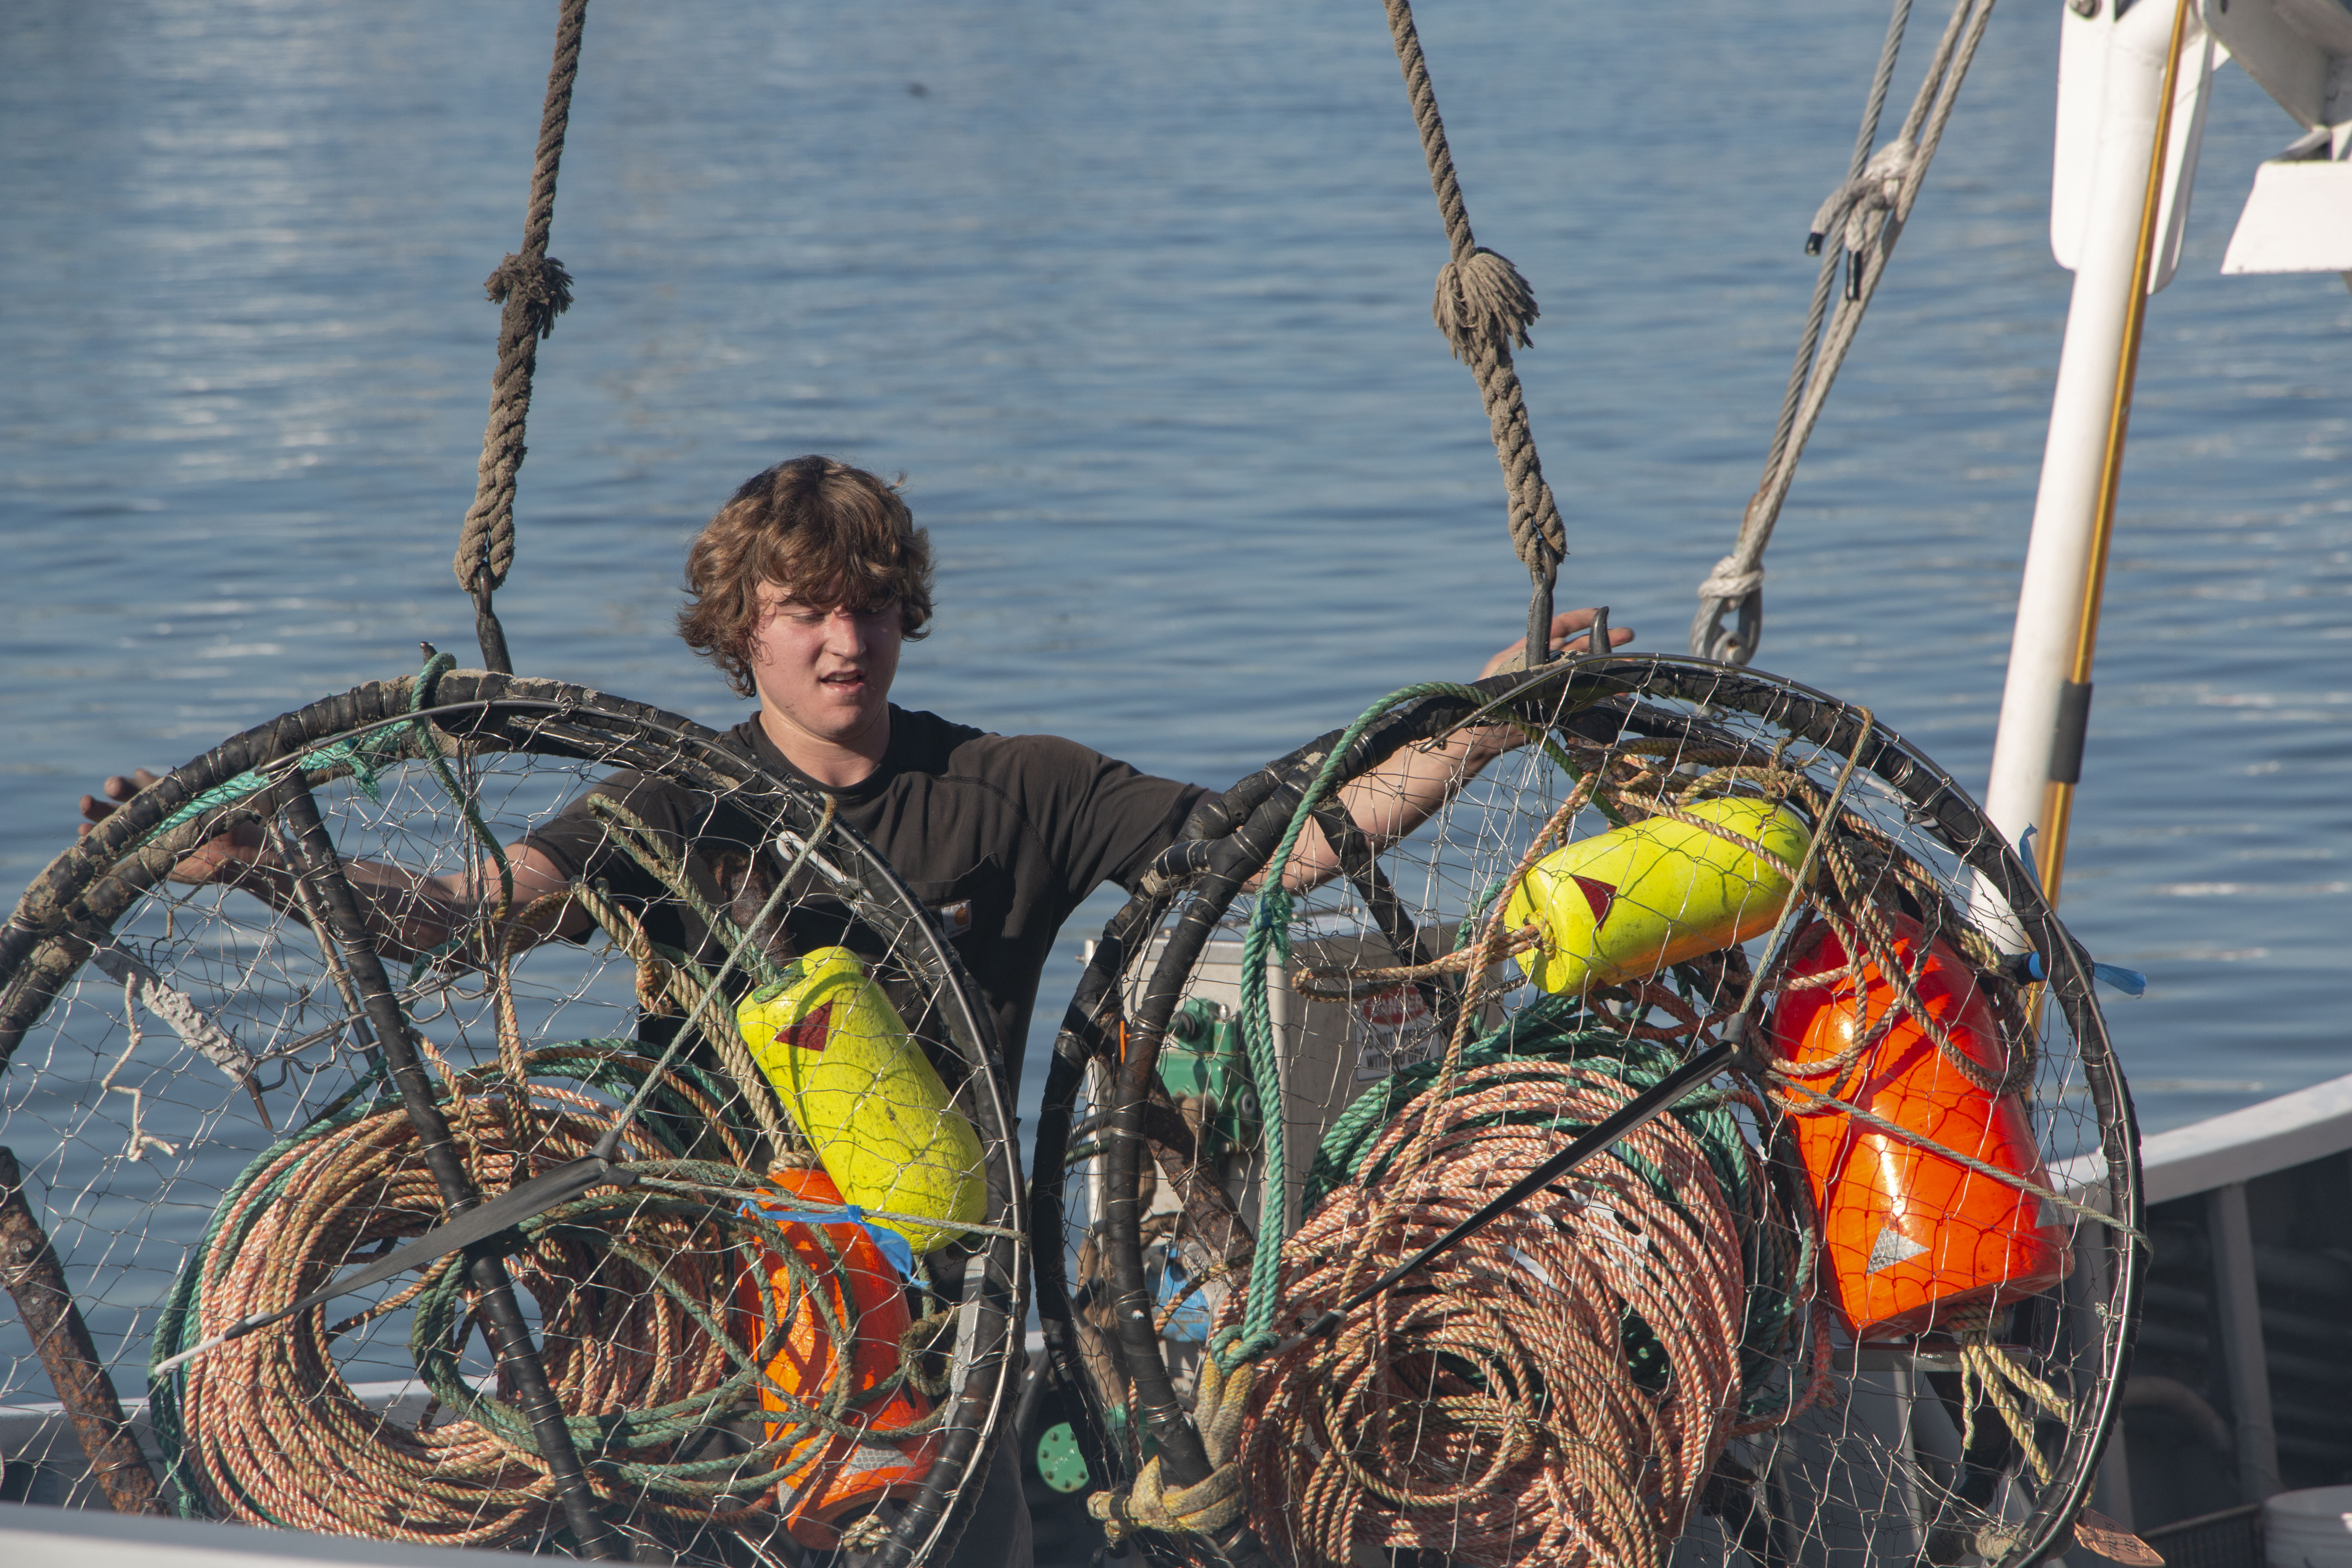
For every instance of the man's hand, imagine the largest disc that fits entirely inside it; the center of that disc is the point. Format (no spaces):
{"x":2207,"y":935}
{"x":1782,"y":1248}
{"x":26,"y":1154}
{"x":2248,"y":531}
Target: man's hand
{"x":118,"y":789}
{"x":227,"y":858}
{"x":410,"y":914}
{"x":1565,"y":627}
{"x":1400,"y":795}
{"x":1479,"y":747}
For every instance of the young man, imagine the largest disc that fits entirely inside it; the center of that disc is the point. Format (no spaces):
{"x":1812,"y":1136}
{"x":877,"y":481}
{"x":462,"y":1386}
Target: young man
{"x":803,"y":590}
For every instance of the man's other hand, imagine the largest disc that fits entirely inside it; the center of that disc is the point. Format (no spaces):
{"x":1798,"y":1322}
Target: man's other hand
{"x":1567,"y":629}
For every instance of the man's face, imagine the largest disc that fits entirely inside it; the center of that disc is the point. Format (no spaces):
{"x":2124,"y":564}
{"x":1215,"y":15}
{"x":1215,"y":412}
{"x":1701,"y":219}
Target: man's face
{"x":824,"y":671}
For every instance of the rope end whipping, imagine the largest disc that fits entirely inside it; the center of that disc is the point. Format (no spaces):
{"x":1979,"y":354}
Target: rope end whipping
{"x":542,"y":287}
{"x":1483,"y":302}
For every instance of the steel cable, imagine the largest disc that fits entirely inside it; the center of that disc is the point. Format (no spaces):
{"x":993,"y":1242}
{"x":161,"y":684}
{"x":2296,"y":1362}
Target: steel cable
{"x":1870,"y":208}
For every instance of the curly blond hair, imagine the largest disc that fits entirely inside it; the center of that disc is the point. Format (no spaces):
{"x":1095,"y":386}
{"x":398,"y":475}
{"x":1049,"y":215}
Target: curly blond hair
{"x":827,"y":533}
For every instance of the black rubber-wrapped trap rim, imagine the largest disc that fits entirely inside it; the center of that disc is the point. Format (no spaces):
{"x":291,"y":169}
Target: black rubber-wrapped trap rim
{"x":77,"y":898}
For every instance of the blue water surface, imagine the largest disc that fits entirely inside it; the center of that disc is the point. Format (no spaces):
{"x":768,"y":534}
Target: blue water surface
{"x":1137,"y":298}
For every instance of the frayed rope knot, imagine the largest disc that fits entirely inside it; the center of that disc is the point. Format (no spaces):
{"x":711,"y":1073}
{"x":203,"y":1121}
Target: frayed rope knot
{"x":1483,"y":303}
{"x":1207,"y":1506}
{"x":543,"y":288}
{"x":865,"y":1533}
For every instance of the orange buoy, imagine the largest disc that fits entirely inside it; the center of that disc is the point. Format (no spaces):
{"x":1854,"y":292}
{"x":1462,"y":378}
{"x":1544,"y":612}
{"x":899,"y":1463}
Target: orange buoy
{"x":1911,"y":1237}
{"x":830,"y":1475}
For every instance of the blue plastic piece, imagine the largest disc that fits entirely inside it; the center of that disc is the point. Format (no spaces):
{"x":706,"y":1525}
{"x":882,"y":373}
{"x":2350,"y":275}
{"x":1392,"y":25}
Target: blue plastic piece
{"x":2130,"y":982}
{"x":1192,"y":1321}
{"x":894,"y":1247}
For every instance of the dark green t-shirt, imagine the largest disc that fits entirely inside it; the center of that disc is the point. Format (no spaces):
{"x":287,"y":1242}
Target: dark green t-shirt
{"x":1001,"y":835}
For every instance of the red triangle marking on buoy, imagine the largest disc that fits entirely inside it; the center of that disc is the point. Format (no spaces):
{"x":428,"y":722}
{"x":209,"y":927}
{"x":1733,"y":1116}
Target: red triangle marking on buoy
{"x":1599,"y":894}
{"x":808,"y":1035}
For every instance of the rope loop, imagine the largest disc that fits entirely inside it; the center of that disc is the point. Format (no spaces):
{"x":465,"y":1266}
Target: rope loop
{"x":1210,"y":1505}
{"x":540,"y":285}
{"x":1730,"y":583}
{"x":1877,"y":189}
{"x":1483,"y":303}
{"x":1737,"y":583}
{"x":1729,"y":588}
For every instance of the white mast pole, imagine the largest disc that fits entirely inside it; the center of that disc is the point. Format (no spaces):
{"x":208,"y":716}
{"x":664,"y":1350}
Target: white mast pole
{"x":2059,"y":556}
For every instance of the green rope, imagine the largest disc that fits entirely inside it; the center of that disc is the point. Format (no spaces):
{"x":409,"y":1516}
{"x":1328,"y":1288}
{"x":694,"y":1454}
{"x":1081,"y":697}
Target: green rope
{"x":1269,"y":937}
{"x":428,"y":745}
{"x":364,"y":756}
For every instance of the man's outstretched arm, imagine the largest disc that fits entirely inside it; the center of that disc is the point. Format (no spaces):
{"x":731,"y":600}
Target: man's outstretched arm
{"x":409,"y":913}
{"x":1403,"y":791}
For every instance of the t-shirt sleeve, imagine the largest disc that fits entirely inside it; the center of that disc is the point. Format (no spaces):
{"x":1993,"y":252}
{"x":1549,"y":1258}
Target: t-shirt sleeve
{"x":586,"y":850}
{"x":1105,"y":821}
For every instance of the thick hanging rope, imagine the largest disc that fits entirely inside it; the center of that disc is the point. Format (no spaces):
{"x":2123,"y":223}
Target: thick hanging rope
{"x":534,"y":288}
{"x":1484,"y":307}
{"x":1866,"y":213}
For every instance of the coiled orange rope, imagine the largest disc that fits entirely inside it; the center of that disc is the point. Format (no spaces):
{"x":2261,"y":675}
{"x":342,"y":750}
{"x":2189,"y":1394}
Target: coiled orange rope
{"x":642,"y":1336}
{"x":1493,"y":1410}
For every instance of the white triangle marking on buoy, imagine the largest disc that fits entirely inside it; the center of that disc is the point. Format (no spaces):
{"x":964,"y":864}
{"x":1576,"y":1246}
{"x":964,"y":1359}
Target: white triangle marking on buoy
{"x":1891,"y":1248}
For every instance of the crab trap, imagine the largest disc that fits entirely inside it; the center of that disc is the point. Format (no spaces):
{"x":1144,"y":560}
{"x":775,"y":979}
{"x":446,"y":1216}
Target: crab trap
{"x":1862,"y":1295}
{"x":695,"y":1234}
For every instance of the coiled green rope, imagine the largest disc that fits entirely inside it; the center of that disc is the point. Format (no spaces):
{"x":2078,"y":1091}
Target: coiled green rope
{"x":1268,"y":939}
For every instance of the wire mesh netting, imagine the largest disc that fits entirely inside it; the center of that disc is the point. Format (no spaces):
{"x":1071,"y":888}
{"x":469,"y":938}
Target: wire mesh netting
{"x":1861,"y":1297}
{"x":726,"y":1095}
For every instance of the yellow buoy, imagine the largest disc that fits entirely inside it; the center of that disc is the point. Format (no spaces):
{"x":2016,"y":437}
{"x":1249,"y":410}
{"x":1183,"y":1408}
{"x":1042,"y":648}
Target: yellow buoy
{"x":882,"y":1123}
{"x":1620,"y":905}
